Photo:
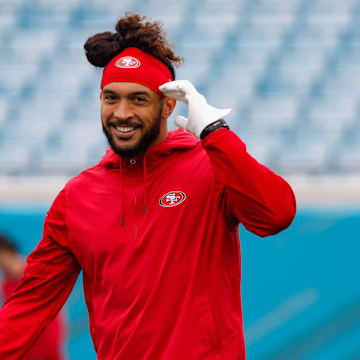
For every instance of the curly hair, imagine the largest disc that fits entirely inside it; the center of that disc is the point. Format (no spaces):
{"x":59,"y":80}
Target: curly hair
{"x":132,"y":31}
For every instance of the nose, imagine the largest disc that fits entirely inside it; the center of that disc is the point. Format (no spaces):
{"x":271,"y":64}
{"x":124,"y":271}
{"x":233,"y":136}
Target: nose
{"x":123,"y":110}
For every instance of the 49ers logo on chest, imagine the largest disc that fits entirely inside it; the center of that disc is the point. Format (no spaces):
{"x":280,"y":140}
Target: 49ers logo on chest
{"x":128,"y":62}
{"x":172,"y":198}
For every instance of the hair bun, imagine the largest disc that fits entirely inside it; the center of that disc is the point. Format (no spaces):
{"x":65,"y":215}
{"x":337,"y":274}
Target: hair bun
{"x":102,"y":47}
{"x":132,"y":30}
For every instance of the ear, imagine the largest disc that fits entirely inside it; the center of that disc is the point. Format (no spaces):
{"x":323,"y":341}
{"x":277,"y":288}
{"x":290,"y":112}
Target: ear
{"x":101,"y":95}
{"x":168,"y":107}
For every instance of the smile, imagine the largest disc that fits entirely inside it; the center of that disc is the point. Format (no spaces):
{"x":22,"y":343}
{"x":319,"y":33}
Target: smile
{"x":125,"y":129}
{"x":125,"y":132}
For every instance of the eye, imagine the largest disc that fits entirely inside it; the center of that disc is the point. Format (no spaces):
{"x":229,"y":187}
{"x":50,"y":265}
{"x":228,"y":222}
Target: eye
{"x":140,"y":99}
{"x":109,"y":98}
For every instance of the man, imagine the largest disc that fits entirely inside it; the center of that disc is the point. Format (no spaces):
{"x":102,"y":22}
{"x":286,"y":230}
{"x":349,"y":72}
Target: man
{"x":153,"y":226}
{"x":50,"y":345}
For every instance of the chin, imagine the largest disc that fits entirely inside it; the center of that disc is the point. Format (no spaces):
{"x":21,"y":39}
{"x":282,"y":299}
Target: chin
{"x":127,"y":151}
{"x":135,"y":145}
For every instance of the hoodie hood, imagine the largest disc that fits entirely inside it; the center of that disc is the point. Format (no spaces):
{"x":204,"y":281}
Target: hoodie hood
{"x":176,"y":141}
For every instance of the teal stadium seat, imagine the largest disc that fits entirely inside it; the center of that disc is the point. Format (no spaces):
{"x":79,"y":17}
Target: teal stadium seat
{"x":279,"y":65}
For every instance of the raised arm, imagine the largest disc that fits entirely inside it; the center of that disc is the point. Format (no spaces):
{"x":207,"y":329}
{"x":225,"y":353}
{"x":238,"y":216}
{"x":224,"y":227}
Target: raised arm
{"x":255,"y":196}
{"x":48,"y":279}
{"x":258,"y":198}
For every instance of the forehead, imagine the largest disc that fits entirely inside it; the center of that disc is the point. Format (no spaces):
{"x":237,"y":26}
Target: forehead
{"x":124,"y":88}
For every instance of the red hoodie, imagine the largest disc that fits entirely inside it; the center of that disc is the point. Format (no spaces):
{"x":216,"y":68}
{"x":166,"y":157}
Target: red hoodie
{"x":50,"y":344}
{"x":157,"y":239}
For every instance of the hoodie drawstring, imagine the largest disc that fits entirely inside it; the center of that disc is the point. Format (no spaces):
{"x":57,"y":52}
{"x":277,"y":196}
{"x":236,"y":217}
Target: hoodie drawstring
{"x":122,"y":193}
{"x":145,"y":180}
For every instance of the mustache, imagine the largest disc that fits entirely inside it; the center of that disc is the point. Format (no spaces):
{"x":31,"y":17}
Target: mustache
{"x":129,"y":122}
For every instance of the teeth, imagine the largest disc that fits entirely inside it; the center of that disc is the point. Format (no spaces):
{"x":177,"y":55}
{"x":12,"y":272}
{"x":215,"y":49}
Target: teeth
{"x":125,"y":129}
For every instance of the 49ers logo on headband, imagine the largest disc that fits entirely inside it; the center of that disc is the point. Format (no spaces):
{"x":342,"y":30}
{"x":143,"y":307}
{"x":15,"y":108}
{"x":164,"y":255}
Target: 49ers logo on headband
{"x":136,"y":66}
{"x":128,"y":62}
{"x":172,"y":198}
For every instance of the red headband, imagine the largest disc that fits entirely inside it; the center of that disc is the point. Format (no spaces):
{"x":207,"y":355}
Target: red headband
{"x":134,"y":65}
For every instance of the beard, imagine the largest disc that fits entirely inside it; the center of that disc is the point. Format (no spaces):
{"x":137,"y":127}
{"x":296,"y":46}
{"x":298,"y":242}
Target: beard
{"x":142,"y":145}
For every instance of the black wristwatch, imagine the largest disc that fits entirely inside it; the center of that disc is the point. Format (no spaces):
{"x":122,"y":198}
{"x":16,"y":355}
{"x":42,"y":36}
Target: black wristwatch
{"x":218,"y":124}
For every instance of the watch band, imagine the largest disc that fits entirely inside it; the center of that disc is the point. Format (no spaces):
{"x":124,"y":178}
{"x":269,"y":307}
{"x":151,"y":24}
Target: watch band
{"x":218,"y":124}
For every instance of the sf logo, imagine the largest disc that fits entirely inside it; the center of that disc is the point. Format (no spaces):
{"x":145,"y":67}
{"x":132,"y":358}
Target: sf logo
{"x":172,"y":198}
{"x":128,"y":62}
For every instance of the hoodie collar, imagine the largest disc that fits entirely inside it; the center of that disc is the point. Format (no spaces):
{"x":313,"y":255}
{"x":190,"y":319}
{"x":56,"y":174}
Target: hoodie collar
{"x":177,"y":140}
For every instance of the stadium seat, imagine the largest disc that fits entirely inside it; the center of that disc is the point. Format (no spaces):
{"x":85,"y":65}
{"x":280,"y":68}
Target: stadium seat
{"x":281,"y":66}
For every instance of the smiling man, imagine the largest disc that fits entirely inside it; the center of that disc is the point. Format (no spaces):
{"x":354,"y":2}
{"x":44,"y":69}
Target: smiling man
{"x":155,"y":225}
{"x":131,"y":117}
{"x":133,"y":114}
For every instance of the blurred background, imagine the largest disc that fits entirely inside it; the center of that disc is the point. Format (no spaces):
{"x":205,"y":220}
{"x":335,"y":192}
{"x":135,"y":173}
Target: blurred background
{"x":290,"y":70}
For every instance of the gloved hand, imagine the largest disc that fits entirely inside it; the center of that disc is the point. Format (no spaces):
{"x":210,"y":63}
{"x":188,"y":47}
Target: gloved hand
{"x":200,"y":113}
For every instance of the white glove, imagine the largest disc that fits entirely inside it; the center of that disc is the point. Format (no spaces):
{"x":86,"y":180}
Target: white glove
{"x":200,"y":113}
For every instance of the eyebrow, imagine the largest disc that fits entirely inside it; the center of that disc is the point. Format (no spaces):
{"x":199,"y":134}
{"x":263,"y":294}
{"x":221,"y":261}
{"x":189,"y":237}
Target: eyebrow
{"x":108,"y":92}
{"x":135,"y":93}
{"x":140,"y":93}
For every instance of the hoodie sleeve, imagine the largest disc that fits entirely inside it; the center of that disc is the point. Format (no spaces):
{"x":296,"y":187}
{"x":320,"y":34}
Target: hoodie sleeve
{"x":254,"y":195}
{"x":48,"y":279}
